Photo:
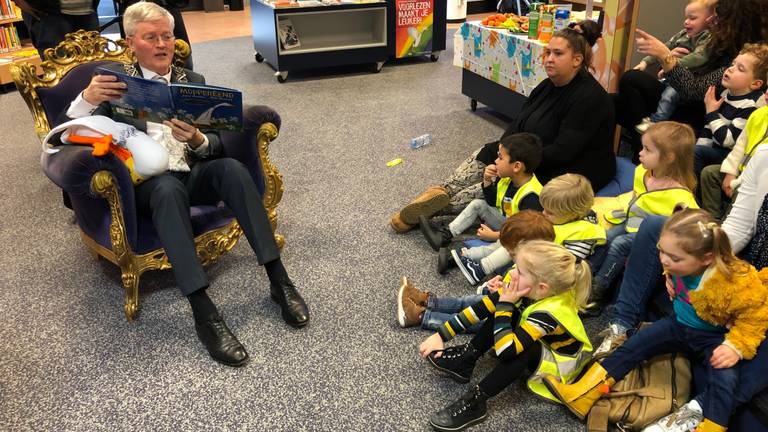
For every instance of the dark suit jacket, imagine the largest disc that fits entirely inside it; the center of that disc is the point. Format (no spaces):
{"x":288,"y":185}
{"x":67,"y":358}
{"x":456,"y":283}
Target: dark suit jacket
{"x":178,"y":74}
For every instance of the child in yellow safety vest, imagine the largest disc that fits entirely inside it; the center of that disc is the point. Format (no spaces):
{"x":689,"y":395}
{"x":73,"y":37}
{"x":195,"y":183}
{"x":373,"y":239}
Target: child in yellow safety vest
{"x":532,"y":324}
{"x":509,"y":185}
{"x":720,"y":182}
{"x":663,"y":181}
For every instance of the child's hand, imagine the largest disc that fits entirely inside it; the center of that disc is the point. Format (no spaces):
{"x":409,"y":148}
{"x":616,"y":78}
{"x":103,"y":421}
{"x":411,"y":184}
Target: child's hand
{"x":494,"y":284}
{"x":711,"y":102}
{"x":432,"y":343}
{"x":680,"y":52}
{"x":486,"y":233}
{"x":660,"y":74}
{"x":723,"y":357}
{"x":489,"y":175}
{"x":641,"y":66}
{"x":512,"y":292}
{"x":670,"y":287}
{"x":727,"y":189}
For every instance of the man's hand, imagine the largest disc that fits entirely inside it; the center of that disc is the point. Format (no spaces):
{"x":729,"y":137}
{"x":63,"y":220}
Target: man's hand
{"x":432,"y":343}
{"x":727,"y":189}
{"x":486,"y":233}
{"x":723,"y":357}
{"x":489,"y":175}
{"x":185,"y":132}
{"x":103,"y":88}
{"x":711,"y":102}
{"x":680,"y":52}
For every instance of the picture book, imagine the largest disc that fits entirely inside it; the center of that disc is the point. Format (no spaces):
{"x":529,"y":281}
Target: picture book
{"x":202,"y":105}
{"x":288,"y":35}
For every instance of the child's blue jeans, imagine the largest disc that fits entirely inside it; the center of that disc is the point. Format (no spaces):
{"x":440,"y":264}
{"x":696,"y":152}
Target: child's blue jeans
{"x":667,"y":336}
{"x":618,"y":245}
{"x":440,"y":310}
{"x":667,"y":104}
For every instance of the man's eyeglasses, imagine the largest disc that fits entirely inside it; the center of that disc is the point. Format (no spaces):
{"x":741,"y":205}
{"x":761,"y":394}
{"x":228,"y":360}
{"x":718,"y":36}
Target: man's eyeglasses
{"x":153,"y":38}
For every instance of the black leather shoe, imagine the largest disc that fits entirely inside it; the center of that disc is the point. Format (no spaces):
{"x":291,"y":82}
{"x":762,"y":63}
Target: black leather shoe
{"x":437,"y":237}
{"x":221,"y":344}
{"x":295,"y":310}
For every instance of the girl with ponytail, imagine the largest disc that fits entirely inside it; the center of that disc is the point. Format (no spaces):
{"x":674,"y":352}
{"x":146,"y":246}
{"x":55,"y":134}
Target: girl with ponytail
{"x":532,"y":324}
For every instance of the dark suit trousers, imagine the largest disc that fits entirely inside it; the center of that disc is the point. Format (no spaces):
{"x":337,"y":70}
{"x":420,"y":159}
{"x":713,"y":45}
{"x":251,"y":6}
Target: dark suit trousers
{"x":168,"y":197}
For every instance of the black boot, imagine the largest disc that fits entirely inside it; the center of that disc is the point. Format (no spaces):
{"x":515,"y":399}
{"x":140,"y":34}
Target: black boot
{"x":445,"y":261}
{"x":458,"y":362}
{"x":437,"y":237}
{"x":598,"y":299}
{"x":470,"y":409}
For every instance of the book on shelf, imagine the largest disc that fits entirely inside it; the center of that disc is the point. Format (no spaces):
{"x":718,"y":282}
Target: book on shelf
{"x":9,"y":10}
{"x":202,"y":105}
{"x":9,"y":38}
{"x":289,"y":38}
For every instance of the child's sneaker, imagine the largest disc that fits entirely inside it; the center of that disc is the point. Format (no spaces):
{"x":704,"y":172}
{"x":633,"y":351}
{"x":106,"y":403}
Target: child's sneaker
{"x":643,"y":125}
{"x":470,"y":409}
{"x":409,"y":314}
{"x":614,"y":336}
{"x":408,"y":291}
{"x":683,"y":420}
{"x":444,"y":261}
{"x":472,"y":270}
{"x":458,"y":361}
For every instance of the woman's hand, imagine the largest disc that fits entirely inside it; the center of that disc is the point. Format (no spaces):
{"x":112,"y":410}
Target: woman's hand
{"x":512,"y":292}
{"x":727,"y":189}
{"x":711,"y":102}
{"x":494,"y":284}
{"x":649,"y":45}
{"x":185,"y":132}
{"x":723,"y":357}
{"x":489,"y":175}
{"x":486,"y":233}
{"x":641,"y":66}
{"x":432,"y":343}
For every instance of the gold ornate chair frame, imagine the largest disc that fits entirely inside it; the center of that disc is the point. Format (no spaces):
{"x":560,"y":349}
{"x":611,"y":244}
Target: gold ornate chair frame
{"x":83,"y":47}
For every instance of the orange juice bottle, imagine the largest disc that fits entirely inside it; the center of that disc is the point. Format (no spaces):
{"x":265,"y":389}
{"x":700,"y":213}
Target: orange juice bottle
{"x":546,"y":24}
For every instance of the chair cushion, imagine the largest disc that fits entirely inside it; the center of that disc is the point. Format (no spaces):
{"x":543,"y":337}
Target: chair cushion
{"x":622,"y":182}
{"x":56,"y":99}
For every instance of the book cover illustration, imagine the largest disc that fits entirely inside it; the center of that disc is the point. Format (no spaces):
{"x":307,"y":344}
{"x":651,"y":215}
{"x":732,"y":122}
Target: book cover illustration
{"x":204,"y":106}
{"x":288,"y":35}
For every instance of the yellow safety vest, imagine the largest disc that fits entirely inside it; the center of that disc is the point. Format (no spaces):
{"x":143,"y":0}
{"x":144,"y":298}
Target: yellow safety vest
{"x":757,"y":134}
{"x":509,"y":206}
{"x":563,"y":308}
{"x":581,"y":230}
{"x":642,"y":203}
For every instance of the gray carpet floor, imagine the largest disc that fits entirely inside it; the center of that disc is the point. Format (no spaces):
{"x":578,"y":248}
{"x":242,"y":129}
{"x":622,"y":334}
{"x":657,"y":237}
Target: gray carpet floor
{"x":70,"y":361}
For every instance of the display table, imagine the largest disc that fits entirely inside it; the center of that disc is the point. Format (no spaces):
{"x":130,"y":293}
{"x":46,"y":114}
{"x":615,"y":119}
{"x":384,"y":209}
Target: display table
{"x":499,"y":68}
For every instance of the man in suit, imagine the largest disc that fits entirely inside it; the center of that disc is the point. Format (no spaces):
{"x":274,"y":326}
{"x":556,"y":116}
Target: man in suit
{"x":197,"y":175}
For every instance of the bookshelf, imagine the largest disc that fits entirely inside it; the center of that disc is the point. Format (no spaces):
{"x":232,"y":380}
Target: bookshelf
{"x":12,"y":48}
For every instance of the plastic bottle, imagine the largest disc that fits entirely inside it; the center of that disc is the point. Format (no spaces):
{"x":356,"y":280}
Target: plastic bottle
{"x":562,"y":18}
{"x":421,"y":141}
{"x":545,"y":27}
{"x":533,"y":25}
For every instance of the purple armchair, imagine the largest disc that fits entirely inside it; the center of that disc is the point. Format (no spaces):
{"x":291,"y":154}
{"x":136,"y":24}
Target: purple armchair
{"x":100,"y":188}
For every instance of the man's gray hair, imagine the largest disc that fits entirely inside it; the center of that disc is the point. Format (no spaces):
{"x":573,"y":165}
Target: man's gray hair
{"x":143,"y":11}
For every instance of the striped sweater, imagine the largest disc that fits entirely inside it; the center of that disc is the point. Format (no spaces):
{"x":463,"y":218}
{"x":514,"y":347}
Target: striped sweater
{"x":510,"y":336}
{"x":725,"y":125}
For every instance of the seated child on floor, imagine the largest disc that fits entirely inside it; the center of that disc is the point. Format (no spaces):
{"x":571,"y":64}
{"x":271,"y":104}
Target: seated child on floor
{"x":532,"y":324}
{"x":744,"y":83}
{"x":567,"y":202}
{"x":719,"y":183}
{"x":416,"y":307}
{"x":509,"y":185}
{"x":720,"y":317}
{"x":663,"y":181}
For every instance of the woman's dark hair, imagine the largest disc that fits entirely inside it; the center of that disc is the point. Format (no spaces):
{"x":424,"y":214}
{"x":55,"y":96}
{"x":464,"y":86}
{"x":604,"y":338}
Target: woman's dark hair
{"x":738,"y":22}
{"x":589,"y":29}
{"x":578,"y":44}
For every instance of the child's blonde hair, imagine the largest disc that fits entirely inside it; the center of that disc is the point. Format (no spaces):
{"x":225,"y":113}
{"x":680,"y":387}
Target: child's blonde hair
{"x":698,"y":234}
{"x":555,"y":266}
{"x":525,"y":225}
{"x":675,"y":142}
{"x":568,"y":196}
{"x":760,"y":53}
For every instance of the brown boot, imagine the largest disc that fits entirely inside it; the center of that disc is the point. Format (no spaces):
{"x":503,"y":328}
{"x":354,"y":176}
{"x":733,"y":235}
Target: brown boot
{"x":398,"y":225}
{"x":408,"y":291}
{"x":581,"y":395}
{"x":409,"y":314}
{"x":432,"y":200}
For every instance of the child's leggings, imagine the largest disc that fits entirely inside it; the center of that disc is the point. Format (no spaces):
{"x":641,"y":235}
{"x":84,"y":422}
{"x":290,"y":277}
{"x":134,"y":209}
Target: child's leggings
{"x":667,"y":336}
{"x":508,"y":370}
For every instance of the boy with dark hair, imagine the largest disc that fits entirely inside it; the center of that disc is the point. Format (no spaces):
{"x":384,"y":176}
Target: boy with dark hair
{"x":509,"y":186}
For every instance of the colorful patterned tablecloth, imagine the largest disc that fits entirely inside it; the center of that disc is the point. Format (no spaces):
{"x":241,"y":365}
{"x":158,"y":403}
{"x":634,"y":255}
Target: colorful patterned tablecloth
{"x":505,"y":58}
